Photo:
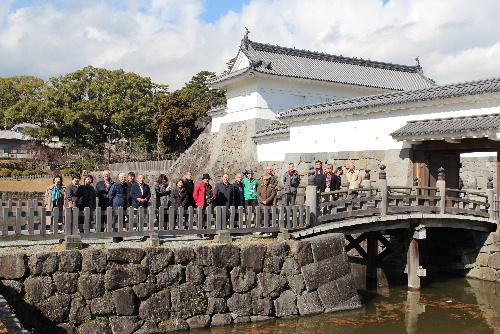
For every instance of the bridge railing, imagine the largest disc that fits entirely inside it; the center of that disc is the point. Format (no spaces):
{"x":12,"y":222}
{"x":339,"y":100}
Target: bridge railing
{"x":35,"y":223}
{"x":386,"y":200}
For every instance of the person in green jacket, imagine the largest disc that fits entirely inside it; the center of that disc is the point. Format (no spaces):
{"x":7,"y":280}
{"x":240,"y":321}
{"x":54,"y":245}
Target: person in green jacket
{"x":250,"y":189}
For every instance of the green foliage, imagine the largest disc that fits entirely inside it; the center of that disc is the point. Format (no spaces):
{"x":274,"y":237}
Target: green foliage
{"x":90,"y":107}
{"x":4,"y":172}
{"x":16,"y":172}
{"x":20,"y":98}
{"x":179,"y":111}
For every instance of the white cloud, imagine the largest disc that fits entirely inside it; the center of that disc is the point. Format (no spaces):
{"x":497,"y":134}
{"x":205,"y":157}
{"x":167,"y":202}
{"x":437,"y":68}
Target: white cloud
{"x":456,"y":40}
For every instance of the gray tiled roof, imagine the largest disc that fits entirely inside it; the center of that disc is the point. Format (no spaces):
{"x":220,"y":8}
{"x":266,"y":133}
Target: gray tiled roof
{"x":449,"y":127}
{"x":432,"y":93}
{"x":288,"y":62}
{"x":272,"y":129}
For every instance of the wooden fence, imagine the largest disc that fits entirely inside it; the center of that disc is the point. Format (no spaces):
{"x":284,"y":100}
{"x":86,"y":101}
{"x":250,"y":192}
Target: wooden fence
{"x":31,"y":223}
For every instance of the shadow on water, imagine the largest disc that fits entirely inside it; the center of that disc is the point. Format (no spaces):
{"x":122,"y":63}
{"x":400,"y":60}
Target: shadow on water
{"x":445,"y":304}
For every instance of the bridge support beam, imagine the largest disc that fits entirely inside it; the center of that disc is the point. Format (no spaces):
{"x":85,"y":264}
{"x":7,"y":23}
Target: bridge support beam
{"x":372,"y":252}
{"x":413,"y":268}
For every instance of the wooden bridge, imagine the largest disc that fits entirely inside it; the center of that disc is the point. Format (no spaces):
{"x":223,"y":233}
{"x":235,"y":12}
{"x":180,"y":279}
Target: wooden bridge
{"x":362,"y":214}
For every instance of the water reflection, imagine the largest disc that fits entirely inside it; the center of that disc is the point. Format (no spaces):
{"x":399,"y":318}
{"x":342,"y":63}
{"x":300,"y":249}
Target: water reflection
{"x":444,"y":305}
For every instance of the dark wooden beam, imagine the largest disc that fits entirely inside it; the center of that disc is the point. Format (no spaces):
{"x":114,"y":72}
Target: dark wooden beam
{"x":355,"y":243}
{"x":464,"y":146}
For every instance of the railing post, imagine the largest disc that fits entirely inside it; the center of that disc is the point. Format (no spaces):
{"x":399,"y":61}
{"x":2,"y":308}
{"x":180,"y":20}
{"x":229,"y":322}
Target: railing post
{"x":366,"y":183}
{"x":382,"y":186}
{"x":491,"y":198}
{"x":72,"y":238}
{"x":312,"y":202}
{"x":441,"y":188}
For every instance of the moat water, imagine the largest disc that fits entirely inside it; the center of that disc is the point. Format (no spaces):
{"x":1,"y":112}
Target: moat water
{"x":443,"y":305}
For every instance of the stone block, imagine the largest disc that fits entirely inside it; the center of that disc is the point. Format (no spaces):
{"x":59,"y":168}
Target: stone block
{"x":99,"y":325}
{"x":94,"y":260}
{"x":144,"y":290}
{"x":125,"y":324}
{"x":347,"y":305}
{"x":80,"y":311}
{"x":194,"y":274}
{"x":286,"y":304}
{"x":122,"y":275}
{"x":270,"y":285}
{"x":330,"y":296}
{"x":103,"y":306}
{"x":494,"y":261}
{"x":38,"y":288}
{"x":55,"y":308}
{"x":42,"y":263}
{"x":157,"y":259}
{"x":484,"y":273}
{"x":66,"y":282}
{"x":241,"y":320}
{"x":240,"y":304}
{"x":149,"y":327}
{"x":324,"y":271}
{"x":252,"y":257}
{"x":309,"y":303}
{"x":221,"y":320}
{"x":188,"y":300}
{"x":183,"y":255}
{"x":327,"y":246}
{"x":12,"y":287}
{"x":217,"y":283}
{"x":242,"y":280}
{"x":296,"y":283}
{"x":262,"y":306}
{"x":173,"y":274}
{"x":202,"y":256}
{"x":173,"y":325}
{"x":482,"y":259}
{"x":346,"y":286}
{"x":125,"y":301}
{"x":198,"y":321}
{"x":12,"y":266}
{"x":290,"y":267}
{"x":91,"y":285}
{"x":156,"y":307}
{"x":216,"y":305}
{"x":259,"y":318}
{"x":225,"y":255}
{"x":302,"y":252}
{"x":273,"y":264}
{"x":125,"y":255}
{"x":70,"y":261}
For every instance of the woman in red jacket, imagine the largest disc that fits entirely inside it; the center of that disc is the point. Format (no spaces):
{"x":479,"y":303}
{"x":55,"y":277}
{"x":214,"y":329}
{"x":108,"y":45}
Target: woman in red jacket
{"x":203,"y":194}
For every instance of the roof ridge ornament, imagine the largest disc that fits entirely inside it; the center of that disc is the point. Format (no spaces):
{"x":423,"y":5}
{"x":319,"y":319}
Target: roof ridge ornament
{"x":245,"y":40}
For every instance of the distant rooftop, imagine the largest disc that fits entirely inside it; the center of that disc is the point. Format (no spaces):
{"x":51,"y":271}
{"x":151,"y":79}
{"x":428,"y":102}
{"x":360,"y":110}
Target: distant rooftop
{"x":456,"y":127}
{"x":431,"y":93}
{"x":304,"y":64}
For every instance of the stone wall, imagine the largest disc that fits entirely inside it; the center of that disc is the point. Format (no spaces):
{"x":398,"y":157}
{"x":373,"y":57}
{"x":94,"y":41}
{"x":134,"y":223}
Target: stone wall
{"x":487,"y":263}
{"x":475,"y":171}
{"x":161,"y":289}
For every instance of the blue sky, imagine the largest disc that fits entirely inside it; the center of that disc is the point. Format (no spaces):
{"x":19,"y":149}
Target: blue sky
{"x":215,"y":9}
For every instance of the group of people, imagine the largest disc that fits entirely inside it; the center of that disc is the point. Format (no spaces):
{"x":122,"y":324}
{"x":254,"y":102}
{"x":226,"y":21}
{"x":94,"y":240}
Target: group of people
{"x":245,"y":190}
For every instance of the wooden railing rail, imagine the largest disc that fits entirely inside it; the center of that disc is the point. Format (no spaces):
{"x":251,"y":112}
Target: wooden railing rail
{"x":33,"y":224}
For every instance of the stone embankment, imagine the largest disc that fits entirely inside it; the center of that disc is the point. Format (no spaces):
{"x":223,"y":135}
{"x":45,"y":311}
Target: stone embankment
{"x":161,"y":289}
{"x":487,"y":263}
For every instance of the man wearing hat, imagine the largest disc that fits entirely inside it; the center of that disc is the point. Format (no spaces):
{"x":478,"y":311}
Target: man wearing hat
{"x":250,"y":189}
{"x":203,"y":194}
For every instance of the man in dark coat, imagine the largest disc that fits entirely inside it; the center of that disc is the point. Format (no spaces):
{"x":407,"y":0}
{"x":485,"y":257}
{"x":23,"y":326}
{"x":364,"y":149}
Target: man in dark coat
{"x":223,"y":192}
{"x":118,"y":194}
{"x":189,"y":185}
{"x":88,"y":194}
{"x":102,"y":189}
{"x":319,"y":176}
{"x":130,"y":182}
{"x":140,"y":193}
{"x":237,"y":194}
